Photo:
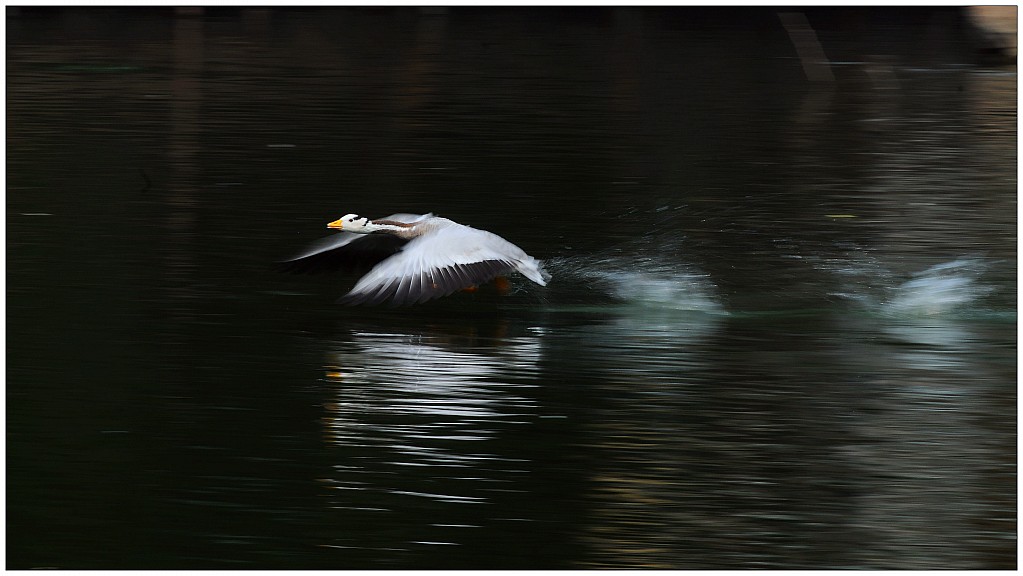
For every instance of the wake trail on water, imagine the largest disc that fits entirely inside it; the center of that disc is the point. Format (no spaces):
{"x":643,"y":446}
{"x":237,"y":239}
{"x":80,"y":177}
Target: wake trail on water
{"x":637,"y":281}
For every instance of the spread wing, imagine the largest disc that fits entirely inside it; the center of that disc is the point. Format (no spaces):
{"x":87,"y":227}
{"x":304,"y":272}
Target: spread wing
{"x":433,"y":265}
{"x":347,"y":250}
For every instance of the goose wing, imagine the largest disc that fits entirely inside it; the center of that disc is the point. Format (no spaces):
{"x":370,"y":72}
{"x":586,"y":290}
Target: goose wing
{"x":347,"y":250}
{"x":442,"y":261}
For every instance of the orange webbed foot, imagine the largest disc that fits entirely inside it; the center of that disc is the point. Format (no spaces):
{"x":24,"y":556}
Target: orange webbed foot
{"x":502,"y":284}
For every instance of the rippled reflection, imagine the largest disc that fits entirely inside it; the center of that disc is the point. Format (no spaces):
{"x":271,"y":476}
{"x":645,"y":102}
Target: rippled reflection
{"x":414,"y":420}
{"x":856,"y":439}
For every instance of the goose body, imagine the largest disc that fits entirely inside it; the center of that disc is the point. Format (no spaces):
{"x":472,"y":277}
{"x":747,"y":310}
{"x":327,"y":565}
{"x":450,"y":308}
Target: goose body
{"x":414,"y":258}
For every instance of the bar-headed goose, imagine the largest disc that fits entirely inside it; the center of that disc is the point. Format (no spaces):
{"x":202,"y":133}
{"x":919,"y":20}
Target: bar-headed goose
{"x":414,"y":257}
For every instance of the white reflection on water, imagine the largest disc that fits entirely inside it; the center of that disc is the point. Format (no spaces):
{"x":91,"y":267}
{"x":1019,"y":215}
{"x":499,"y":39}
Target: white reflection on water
{"x":408,"y":374}
{"x":413,"y":420}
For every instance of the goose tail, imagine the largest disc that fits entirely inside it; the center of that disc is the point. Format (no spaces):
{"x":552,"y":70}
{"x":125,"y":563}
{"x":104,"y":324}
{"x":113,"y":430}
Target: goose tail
{"x":533,"y":270}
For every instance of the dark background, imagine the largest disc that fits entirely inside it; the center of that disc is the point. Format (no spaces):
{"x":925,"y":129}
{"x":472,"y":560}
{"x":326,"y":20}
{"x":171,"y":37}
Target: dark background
{"x":781,"y":332}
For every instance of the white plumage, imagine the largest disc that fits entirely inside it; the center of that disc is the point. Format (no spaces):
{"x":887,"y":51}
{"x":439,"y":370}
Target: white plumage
{"x":415,"y":257}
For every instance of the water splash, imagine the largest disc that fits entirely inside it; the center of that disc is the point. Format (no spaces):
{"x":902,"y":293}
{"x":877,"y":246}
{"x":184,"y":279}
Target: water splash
{"x":642,"y":281}
{"x":958,"y":287}
{"x":941,"y":289}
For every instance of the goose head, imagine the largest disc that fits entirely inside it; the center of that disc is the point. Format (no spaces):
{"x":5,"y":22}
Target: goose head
{"x":352,"y":223}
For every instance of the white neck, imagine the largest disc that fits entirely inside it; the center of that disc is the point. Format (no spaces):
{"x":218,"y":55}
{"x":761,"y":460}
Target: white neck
{"x":406,"y":232}
{"x":374,"y":227}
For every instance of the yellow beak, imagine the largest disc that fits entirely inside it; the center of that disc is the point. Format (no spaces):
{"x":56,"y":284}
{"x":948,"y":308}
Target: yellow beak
{"x":336,"y":224}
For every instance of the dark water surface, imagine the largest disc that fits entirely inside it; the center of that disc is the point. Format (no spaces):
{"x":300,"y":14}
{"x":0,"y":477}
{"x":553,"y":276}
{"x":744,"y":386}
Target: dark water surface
{"x":781,"y":331}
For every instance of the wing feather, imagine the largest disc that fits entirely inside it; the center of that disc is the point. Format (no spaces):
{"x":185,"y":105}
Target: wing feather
{"x":419,"y":288}
{"x":404,"y":290}
{"x":347,"y":250}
